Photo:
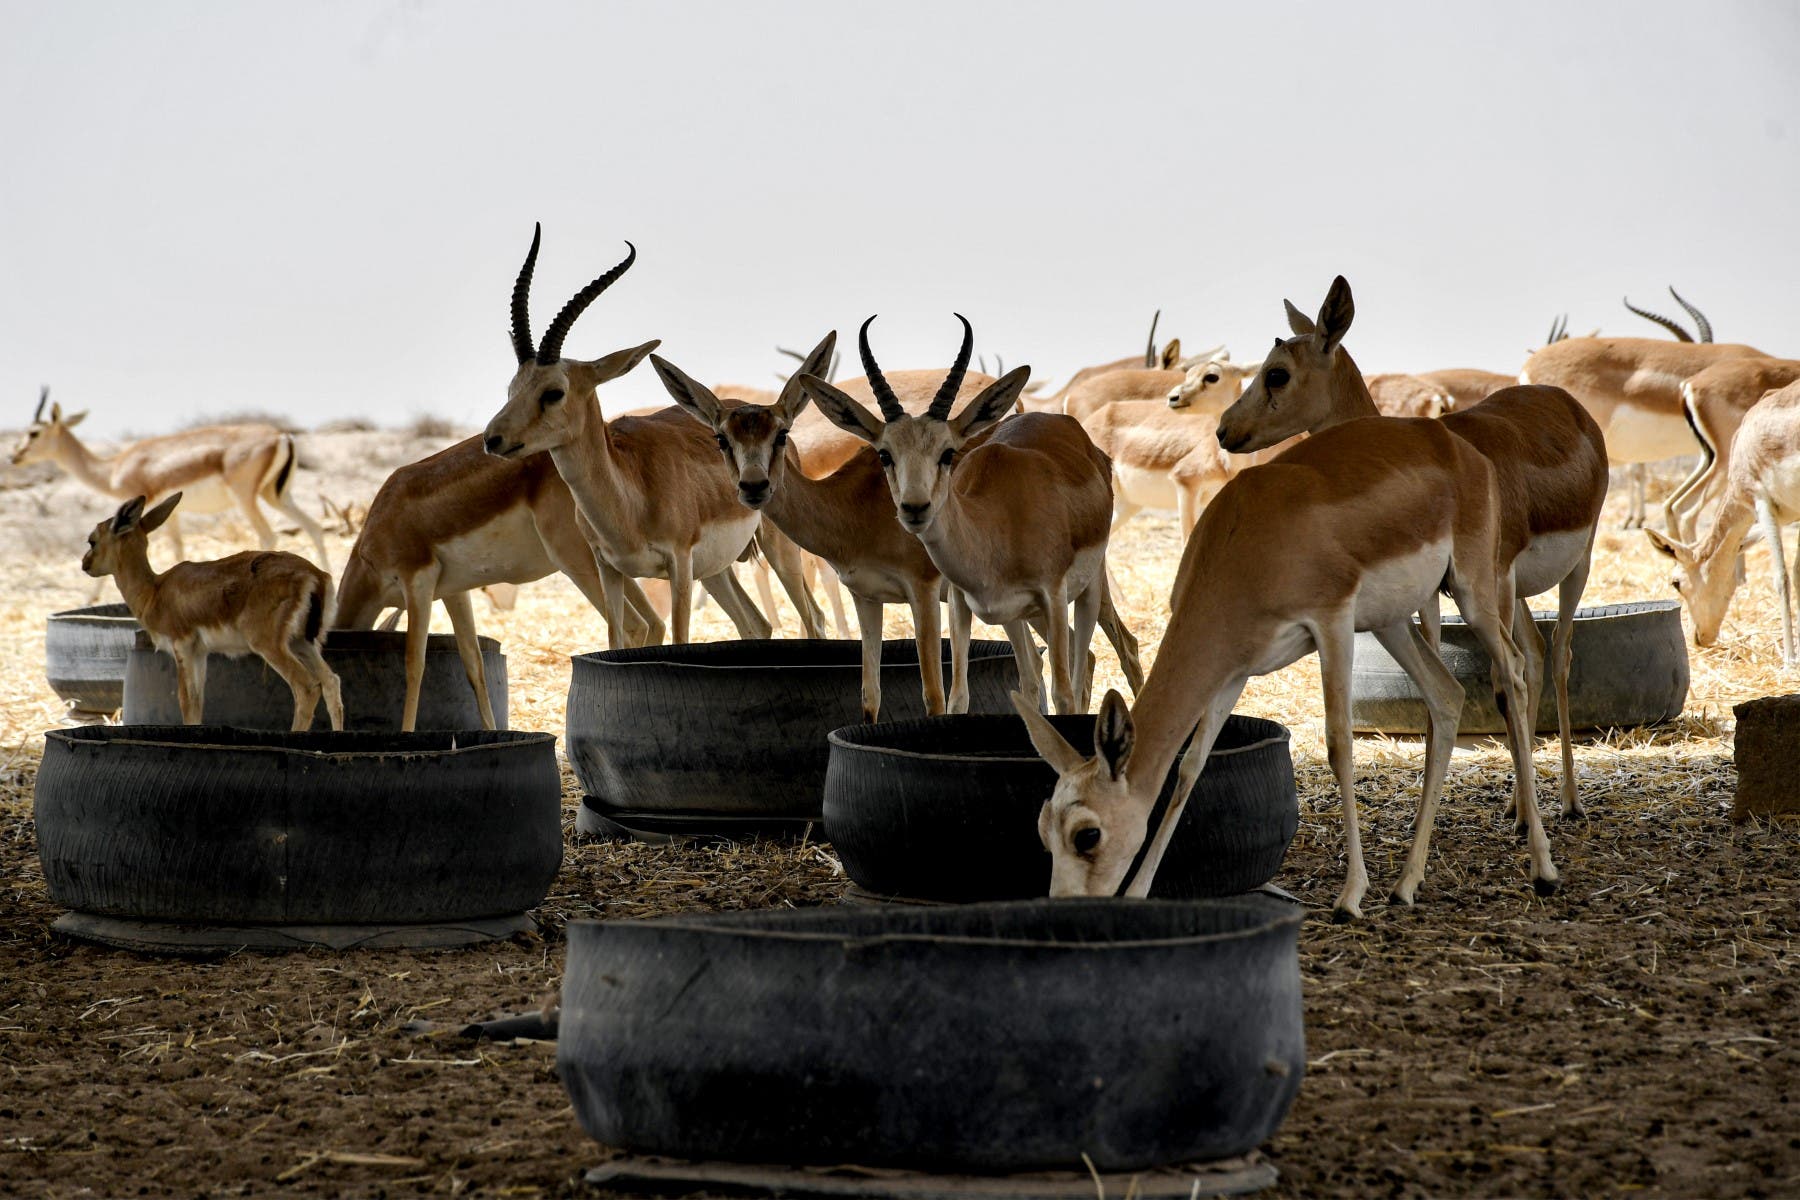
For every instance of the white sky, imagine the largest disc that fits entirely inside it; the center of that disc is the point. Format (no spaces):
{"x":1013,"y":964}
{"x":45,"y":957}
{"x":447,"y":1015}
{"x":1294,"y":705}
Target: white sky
{"x":318,"y":208}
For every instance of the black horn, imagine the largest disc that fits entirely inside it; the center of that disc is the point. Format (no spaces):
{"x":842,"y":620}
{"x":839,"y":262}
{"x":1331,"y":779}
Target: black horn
{"x":550,"y":349}
{"x":43,"y":398}
{"x":1681,"y":335}
{"x":891,"y":408}
{"x":1150,"y":346}
{"x":521,"y":300}
{"x":946,"y":393}
{"x":1700,"y":321}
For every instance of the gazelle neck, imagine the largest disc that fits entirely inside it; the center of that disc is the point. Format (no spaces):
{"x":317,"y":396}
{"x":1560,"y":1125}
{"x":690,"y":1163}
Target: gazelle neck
{"x":73,"y":456}
{"x":1193,"y":668}
{"x":137,"y":579}
{"x":1349,"y":398}
{"x":587,"y":467}
{"x":819,"y":515}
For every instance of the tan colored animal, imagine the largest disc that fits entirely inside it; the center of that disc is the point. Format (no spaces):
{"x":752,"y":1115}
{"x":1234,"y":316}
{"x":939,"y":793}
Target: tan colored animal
{"x":215,"y":466}
{"x":1549,"y":464}
{"x":1355,"y":528}
{"x":1763,"y":486}
{"x":263,"y":602}
{"x":1466,"y":386}
{"x":1632,"y":388}
{"x":657,"y":502}
{"x":1715,"y":401}
{"x":1018,"y":524}
{"x":460,"y":520}
{"x":1033,"y":400}
{"x":1408,"y":396}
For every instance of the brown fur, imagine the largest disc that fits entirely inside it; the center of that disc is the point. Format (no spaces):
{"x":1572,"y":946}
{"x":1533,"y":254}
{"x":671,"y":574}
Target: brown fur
{"x":1136,"y":383}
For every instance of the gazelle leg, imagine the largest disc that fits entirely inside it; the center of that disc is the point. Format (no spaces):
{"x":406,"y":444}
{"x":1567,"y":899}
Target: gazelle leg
{"x":868,"y":618}
{"x":274,"y":651}
{"x":1031,"y":678}
{"x":285,"y":502}
{"x":834,"y":591}
{"x":1337,"y":642}
{"x":1084,"y":616}
{"x":759,"y":569}
{"x":190,"y":683}
{"x":1063,"y":672}
{"x":681,"y":596}
{"x":329,"y":686}
{"x":1765,"y":515}
{"x":785,"y":558}
{"x":960,"y":620}
{"x":731,"y":596}
{"x":1193,"y":761}
{"x":1123,"y":511}
{"x":1568,"y":600}
{"x":417,"y":591}
{"x":245,"y":498}
{"x":468,"y":648}
{"x":1124,"y":644}
{"x":1443,"y":701}
{"x":930,"y":640}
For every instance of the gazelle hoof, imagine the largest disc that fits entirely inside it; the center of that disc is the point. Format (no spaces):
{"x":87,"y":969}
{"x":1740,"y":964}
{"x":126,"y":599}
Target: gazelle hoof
{"x":1401,"y":898}
{"x":1545,"y":887}
{"x":1574,"y":812}
{"x":1343,"y":916}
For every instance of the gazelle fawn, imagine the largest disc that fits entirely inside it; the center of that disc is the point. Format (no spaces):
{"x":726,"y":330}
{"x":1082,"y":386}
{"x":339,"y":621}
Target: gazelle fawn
{"x":264,"y":602}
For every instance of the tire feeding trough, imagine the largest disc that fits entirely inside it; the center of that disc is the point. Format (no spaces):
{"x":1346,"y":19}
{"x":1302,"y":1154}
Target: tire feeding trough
{"x":946,"y":809}
{"x":203,"y":838}
{"x":987,"y":1038}
{"x":84,"y":656}
{"x":722,"y":738}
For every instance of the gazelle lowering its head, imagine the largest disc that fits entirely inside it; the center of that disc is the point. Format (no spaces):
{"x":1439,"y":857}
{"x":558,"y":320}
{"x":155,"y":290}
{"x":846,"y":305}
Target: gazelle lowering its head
{"x":264,"y":602}
{"x":1018,"y":524}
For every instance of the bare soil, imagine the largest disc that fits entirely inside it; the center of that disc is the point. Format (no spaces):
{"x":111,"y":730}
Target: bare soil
{"x":1635,"y":1033}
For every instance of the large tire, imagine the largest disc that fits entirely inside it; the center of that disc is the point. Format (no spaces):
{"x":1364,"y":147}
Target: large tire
{"x":230,"y":826}
{"x":946,"y":808}
{"x":982,"y":1038}
{"x":683,"y":735}
{"x":84,"y":656}
{"x":371,"y":669}
{"x":1628,"y":667}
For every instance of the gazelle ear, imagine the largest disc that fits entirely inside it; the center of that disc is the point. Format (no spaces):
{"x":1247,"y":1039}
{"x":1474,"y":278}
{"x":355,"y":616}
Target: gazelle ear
{"x":1051,"y":746}
{"x":1670,"y":547}
{"x":1298,"y":321}
{"x":75,"y":420}
{"x":818,"y":363}
{"x":128,"y":514}
{"x":617,"y":363}
{"x":695,"y":399}
{"x":156,"y":516}
{"x":840,"y":409}
{"x":1336,"y":313}
{"x":1113,"y":734}
{"x":1171,"y":355}
{"x":992,"y":403}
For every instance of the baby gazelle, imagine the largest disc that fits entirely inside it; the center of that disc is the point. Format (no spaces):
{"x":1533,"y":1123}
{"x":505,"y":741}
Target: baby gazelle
{"x":264,"y":602}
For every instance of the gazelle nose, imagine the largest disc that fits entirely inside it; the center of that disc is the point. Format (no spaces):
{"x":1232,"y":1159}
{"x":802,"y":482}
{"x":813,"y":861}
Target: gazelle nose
{"x":494,"y":443}
{"x":915,"y":510}
{"x":753,"y":491}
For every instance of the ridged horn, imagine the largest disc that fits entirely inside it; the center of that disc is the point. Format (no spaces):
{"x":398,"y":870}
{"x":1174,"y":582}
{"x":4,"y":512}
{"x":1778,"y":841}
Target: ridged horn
{"x":891,"y":408}
{"x":521,"y":300}
{"x":1150,"y":346}
{"x":43,"y":398}
{"x":550,"y":349}
{"x":946,"y":393}
{"x":1681,"y":335}
{"x":1700,"y":321}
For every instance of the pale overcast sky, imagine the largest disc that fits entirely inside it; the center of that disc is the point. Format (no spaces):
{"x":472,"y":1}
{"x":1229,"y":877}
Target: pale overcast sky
{"x":318,"y":208}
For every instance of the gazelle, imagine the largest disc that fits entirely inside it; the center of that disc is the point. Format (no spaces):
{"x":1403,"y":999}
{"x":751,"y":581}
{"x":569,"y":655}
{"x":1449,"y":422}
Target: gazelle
{"x":1371,"y":519}
{"x":1548,"y":461}
{"x":1632,"y":388}
{"x":1018,"y":524}
{"x":1466,"y":385}
{"x":1398,"y":395}
{"x":1715,"y":401}
{"x":460,"y":520}
{"x":215,"y":466}
{"x":1762,"y":485}
{"x":1167,"y":359}
{"x":264,"y":602}
{"x":657,"y":502}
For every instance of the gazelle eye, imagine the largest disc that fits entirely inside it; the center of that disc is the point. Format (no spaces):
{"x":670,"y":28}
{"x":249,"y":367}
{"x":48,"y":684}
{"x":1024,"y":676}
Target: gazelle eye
{"x":552,"y":396}
{"x":1277,"y":377}
{"x":781,"y":438}
{"x":946,"y":458}
{"x":724,"y":443}
{"x":884,"y":458}
{"x":1086,"y":840}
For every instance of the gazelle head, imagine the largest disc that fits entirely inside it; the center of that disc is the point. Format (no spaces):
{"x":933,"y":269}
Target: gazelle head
{"x":1210,"y":387}
{"x":1292,"y":393}
{"x":43,"y":439}
{"x":551,"y":397}
{"x":1089,"y":825}
{"x":751,"y":436}
{"x":1705,"y":584}
{"x":123,"y":535}
{"x":917,"y":453}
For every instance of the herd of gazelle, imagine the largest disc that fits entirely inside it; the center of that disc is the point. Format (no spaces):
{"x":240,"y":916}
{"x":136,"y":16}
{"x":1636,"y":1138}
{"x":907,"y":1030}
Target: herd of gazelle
{"x":975,"y":491}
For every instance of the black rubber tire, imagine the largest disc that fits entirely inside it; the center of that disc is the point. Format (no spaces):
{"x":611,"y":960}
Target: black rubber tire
{"x":986,"y":1038}
{"x":371,"y":669}
{"x":84,"y":656}
{"x":946,"y":808}
{"x":233,"y":826}
{"x":738,"y":728}
{"x":1628,"y":667}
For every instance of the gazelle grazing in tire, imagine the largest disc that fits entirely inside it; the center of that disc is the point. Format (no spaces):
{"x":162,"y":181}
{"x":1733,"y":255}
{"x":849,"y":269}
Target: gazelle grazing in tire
{"x":1018,"y":524}
{"x":657,"y":502}
{"x":1549,"y":463}
{"x":216,"y":467}
{"x":264,"y":602}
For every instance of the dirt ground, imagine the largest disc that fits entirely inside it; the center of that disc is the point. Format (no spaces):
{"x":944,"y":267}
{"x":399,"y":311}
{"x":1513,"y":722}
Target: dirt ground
{"x":1635,"y":1033}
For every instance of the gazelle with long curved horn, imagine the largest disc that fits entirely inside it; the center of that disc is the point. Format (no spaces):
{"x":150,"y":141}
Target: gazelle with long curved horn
{"x":1354,"y":528}
{"x":1017,"y":524}
{"x":215,"y":468}
{"x":657,"y":502}
{"x":1546,"y":454}
{"x":1703,"y":327}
